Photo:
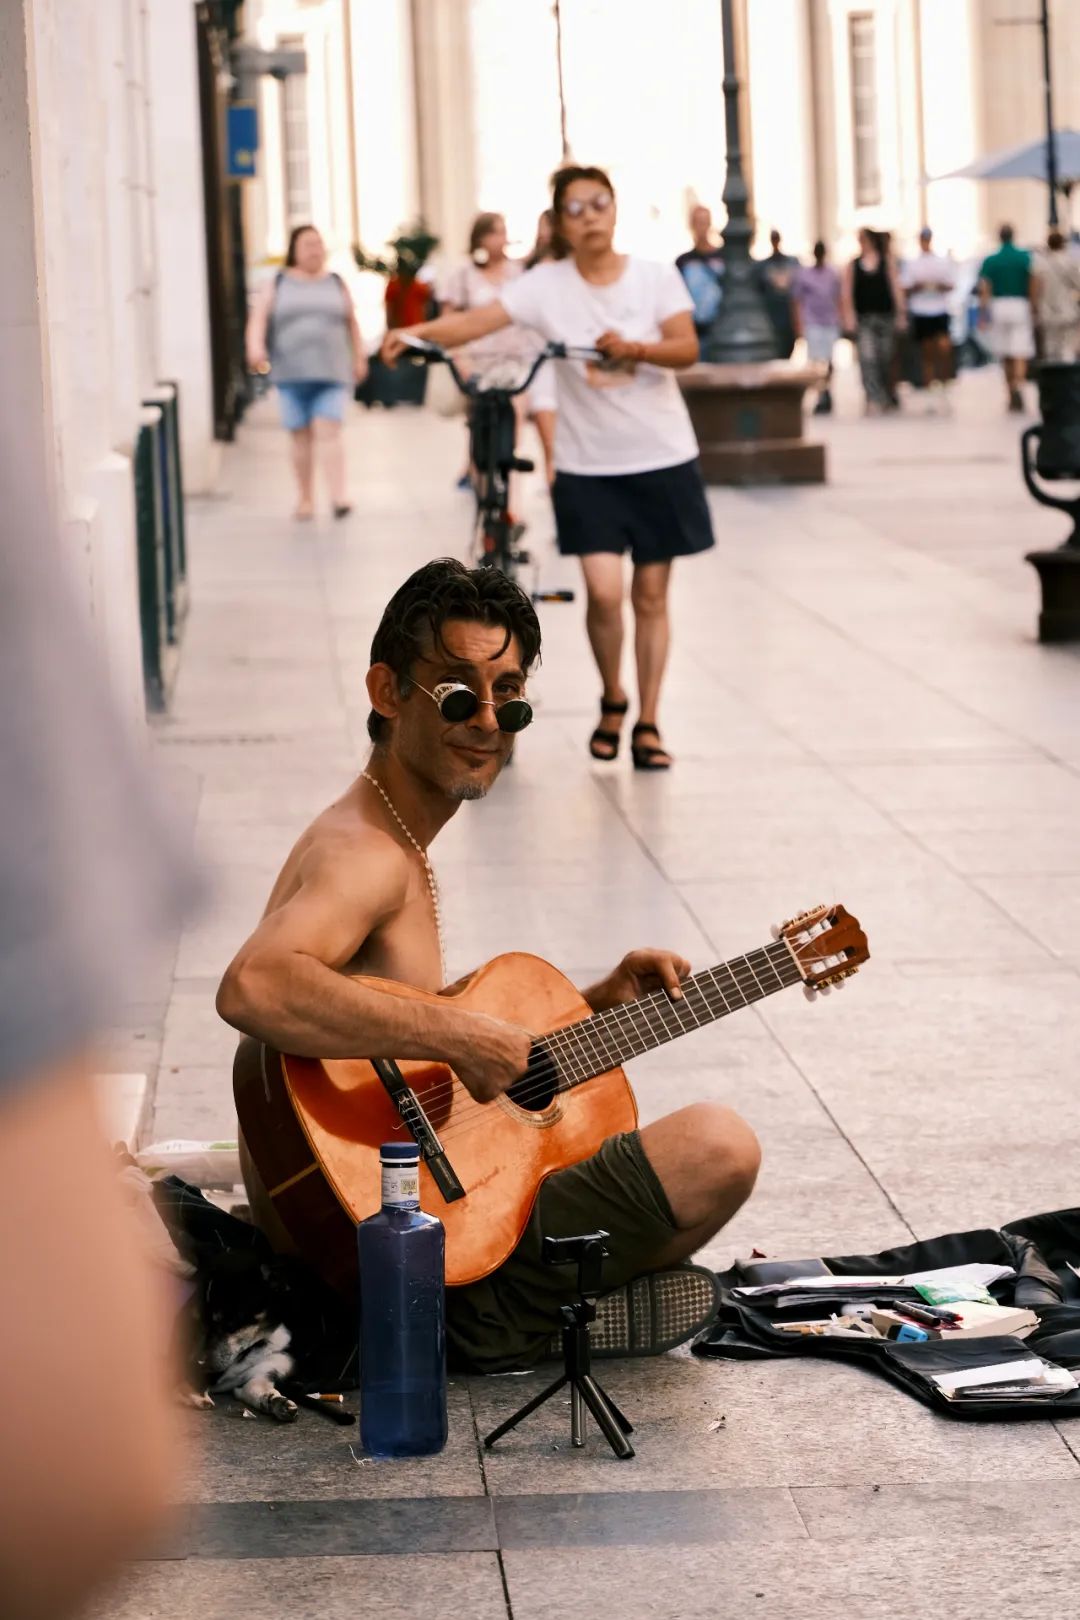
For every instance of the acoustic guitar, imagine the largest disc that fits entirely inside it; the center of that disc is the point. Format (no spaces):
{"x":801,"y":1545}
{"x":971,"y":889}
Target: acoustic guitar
{"x":313,"y":1129}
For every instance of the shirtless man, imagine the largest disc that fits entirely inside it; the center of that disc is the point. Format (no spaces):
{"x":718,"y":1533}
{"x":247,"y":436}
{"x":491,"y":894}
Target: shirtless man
{"x":356,"y":896}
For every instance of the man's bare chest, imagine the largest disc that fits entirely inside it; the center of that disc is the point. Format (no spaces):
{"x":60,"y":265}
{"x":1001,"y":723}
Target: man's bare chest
{"x":405,"y":947}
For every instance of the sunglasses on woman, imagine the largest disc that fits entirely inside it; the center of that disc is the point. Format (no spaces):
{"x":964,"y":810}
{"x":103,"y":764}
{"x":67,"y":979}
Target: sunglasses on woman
{"x":599,"y":204}
{"x":457,"y":702}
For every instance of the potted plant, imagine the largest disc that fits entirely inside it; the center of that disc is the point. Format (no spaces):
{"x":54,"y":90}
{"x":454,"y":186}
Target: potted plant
{"x":407,"y":300}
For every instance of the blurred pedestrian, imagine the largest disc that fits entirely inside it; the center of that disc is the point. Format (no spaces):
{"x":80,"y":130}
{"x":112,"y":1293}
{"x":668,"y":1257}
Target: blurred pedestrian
{"x":929,"y":281}
{"x":1056,"y":295}
{"x":702,"y":268}
{"x":1005,"y":312}
{"x":540,"y":400}
{"x":90,"y":883}
{"x":776,"y":275}
{"x":303,"y":327}
{"x":477,"y":283}
{"x":815,"y":297}
{"x":548,"y":244}
{"x":873,"y":308}
{"x":627,"y":470}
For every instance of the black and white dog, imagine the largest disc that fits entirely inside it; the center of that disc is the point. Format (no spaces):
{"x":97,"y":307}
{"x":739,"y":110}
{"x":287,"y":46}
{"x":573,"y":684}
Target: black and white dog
{"x":238,"y":1332}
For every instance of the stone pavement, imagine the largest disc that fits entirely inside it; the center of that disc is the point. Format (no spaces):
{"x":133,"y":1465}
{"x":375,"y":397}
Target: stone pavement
{"x":860,"y":712}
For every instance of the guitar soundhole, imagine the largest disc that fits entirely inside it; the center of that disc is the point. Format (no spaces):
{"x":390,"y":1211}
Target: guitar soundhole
{"x":536,"y":1089}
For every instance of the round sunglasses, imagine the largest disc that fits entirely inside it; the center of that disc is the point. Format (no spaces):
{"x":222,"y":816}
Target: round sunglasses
{"x":599,"y":204}
{"x":457,"y":702}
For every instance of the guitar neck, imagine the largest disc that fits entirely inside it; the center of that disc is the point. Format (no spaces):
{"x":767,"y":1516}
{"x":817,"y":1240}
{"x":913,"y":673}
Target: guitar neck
{"x":608,"y":1039}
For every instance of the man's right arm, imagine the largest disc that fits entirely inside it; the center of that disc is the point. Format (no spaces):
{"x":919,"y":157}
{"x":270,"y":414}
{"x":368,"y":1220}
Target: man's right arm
{"x":285,"y":986}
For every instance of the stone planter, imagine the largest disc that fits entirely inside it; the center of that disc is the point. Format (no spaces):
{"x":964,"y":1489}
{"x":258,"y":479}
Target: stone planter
{"x":749,"y":422}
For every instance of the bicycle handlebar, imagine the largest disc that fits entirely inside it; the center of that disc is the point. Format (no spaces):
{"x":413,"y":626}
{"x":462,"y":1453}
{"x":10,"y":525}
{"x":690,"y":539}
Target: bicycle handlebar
{"x":432,"y":352}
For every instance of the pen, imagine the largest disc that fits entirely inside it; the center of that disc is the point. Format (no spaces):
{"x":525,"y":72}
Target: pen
{"x":921,"y":1313}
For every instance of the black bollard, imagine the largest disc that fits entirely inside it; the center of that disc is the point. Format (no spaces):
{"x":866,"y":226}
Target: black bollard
{"x":1051,"y":449}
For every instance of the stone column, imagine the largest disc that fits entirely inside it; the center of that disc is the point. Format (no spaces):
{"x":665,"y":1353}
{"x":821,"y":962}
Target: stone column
{"x":444,"y":119}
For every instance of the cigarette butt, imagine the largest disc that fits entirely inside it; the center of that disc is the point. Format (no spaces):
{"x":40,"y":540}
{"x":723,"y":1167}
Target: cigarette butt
{"x":317,"y":1395}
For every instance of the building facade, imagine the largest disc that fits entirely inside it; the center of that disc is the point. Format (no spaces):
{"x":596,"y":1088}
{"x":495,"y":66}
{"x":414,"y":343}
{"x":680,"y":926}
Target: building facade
{"x":866,"y":104}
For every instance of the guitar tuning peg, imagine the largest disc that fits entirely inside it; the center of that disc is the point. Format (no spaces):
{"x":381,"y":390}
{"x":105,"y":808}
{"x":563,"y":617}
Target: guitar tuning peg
{"x":825,"y":989}
{"x":809,"y":991}
{"x":775,"y":930}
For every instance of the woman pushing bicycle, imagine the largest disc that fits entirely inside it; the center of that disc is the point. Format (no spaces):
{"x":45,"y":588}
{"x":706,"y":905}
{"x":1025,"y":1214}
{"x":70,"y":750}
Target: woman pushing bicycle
{"x":626,"y":460}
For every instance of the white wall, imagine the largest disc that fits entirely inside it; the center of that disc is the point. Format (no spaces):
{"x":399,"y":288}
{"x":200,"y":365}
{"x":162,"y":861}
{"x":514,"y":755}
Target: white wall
{"x":86,"y":281}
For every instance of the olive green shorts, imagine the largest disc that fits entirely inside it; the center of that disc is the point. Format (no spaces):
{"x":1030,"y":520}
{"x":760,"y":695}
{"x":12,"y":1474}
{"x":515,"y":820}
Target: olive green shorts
{"x":506,"y":1320}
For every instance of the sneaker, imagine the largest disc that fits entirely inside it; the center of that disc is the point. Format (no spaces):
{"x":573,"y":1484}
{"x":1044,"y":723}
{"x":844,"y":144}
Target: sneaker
{"x":651,"y":1314}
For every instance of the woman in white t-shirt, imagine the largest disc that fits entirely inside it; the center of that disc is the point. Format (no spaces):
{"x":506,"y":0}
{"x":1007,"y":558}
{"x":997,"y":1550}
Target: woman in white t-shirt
{"x":627,"y":474}
{"x":478,"y":281}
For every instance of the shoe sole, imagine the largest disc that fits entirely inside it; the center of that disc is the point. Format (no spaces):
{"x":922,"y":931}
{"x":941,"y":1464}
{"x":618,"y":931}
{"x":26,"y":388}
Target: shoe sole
{"x":652,"y":1314}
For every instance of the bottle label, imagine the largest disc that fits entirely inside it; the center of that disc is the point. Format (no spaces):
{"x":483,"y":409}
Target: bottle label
{"x":401,"y":1186}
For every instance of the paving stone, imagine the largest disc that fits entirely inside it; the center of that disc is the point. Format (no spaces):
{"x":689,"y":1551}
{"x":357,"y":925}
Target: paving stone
{"x":237,"y":1460}
{"x":468,"y":1587}
{"x":1022,"y":1577}
{"x":798,"y":1422}
{"x":961,"y":1508}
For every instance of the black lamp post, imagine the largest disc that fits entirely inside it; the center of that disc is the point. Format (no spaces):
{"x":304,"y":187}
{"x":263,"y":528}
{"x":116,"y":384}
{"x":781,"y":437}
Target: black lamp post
{"x":742,"y":331}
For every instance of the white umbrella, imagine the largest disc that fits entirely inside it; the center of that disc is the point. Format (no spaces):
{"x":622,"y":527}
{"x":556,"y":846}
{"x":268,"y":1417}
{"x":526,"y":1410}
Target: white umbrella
{"x":1026,"y":162}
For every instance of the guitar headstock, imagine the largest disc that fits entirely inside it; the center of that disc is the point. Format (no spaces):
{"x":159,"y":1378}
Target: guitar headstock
{"x":828,"y":946}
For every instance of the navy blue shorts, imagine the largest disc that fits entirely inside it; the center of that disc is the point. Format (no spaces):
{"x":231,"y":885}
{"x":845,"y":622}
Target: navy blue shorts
{"x":655,"y":515}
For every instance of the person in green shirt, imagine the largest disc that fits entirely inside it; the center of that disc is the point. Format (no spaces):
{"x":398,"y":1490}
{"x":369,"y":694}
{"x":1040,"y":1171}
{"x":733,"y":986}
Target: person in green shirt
{"x":1005,"y":298}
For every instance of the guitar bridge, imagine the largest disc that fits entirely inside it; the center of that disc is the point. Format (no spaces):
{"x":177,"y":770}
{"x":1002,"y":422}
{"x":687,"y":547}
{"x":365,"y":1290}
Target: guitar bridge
{"x":420,"y":1128}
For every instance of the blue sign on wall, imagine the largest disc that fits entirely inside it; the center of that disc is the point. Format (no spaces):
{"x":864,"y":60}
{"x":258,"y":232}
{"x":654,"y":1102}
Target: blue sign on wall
{"x":242,"y":140}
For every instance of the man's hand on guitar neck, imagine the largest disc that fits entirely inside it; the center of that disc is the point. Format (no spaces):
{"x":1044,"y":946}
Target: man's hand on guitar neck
{"x":492,"y":1056}
{"x":637,"y":974}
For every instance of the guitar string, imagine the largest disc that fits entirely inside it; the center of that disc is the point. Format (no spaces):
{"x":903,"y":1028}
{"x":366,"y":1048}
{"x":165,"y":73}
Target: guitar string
{"x":603,"y":1061}
{"x":566,"y":1043}
{"x":565,"y":1052}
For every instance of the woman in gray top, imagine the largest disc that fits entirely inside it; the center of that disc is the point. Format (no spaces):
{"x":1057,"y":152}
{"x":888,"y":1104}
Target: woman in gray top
{"x":303,"y":328}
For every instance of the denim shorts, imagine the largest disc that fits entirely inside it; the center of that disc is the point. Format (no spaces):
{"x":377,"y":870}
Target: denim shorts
{"x":302,"y":402}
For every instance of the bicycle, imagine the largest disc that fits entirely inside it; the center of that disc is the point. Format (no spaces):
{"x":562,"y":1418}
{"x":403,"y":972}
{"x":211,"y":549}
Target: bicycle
{"x":492,"y":430}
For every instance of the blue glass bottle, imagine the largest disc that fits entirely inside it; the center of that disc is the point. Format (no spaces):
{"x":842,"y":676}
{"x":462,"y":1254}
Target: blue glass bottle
{"x":402,"y":1316}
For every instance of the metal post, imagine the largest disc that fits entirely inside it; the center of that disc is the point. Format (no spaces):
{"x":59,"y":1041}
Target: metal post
{"x":1048,"y":94}
{"x":150,"y":543}
{"x":562,"y":89}
{"x":742,"y":331}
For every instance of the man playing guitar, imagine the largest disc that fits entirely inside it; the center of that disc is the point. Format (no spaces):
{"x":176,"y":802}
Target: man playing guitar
{"x":356,"y":895}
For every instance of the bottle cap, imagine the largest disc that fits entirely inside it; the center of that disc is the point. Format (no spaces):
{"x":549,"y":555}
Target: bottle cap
{"x":399,"y":1153}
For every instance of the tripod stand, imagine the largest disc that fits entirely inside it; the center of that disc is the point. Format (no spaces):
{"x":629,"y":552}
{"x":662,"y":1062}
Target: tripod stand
{"x":586,"y":1395}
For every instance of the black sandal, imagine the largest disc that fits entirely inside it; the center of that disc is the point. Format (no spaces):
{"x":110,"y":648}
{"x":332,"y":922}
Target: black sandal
{"x":609,"y":739}
{"x":646,"y":757}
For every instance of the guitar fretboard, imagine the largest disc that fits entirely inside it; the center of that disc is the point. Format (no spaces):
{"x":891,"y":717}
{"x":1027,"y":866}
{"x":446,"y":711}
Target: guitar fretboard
{"x":608,"y":1039}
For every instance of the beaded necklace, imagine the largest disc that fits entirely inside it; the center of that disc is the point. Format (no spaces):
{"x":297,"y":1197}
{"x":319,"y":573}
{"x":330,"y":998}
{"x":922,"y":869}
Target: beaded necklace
{"x":432,"y":883}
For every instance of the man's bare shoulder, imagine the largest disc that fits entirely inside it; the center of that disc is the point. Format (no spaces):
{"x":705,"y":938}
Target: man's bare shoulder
{"x":348,"y":856}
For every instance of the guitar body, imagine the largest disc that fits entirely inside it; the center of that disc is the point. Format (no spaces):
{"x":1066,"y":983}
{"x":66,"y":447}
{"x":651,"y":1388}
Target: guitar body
{"x":312,"y":1132}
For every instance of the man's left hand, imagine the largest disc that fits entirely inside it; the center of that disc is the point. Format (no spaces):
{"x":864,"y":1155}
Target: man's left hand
{"x":637,"y":974}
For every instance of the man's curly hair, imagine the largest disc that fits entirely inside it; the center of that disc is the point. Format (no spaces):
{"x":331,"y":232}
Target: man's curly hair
{"x":442,"y":590}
